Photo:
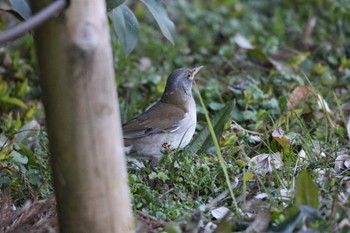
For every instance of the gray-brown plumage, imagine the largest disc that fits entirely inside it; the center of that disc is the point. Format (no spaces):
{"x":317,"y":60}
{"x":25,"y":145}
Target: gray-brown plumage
{"x":172,"y":120}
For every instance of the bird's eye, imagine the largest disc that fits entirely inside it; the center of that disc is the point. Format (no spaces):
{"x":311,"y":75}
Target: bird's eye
{"x":189,"y":75}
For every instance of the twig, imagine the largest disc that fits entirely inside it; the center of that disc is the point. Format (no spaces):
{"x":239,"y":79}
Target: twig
{"x":36,"y":20}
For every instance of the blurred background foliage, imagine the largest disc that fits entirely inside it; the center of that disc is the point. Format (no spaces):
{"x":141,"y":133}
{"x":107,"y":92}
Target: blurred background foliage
{"x":255,"y":54}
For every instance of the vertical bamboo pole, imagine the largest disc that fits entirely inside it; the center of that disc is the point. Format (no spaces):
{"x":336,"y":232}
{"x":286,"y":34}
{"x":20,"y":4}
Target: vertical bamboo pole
{"x":81,"y":107}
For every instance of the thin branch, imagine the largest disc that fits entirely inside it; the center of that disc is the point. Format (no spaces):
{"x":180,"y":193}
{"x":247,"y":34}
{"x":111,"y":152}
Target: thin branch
{"x":36,"y":20}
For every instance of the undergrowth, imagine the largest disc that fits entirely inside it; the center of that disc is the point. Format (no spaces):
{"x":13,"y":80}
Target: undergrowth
{"x":276,"y":88}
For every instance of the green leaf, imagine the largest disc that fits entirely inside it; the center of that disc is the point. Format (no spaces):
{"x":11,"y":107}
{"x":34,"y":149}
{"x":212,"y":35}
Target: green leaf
{"x":248,"y":176}
{"x":216,"y":106}
{"x":160,"y":175}
{"x":172,"y":228}
{"x":306,"y":192}
{"x":225,"y":225}
{"x":5,"y":180}
{"x":19,"y":158}
{"x":126,"y":27}
{"x":294,"y":216}
{"x":22,"y":89}
{"x":297,"y":59}
{"x":13,"y":101}
{"x":257,"y":54}
{"x":164,"y":177}
{"x":203,"y":139}
{"x":22,"y":7}
{"x":25,"y":151}
{"x":156,"y":7}
{"x":4,"y":89}
{"x":111,"y":4}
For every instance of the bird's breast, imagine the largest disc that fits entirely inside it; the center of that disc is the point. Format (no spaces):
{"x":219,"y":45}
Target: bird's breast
{"x":187,"y":125}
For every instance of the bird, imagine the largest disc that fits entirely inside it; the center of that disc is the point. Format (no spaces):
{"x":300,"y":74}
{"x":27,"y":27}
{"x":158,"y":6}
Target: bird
{"x":171,"y":121}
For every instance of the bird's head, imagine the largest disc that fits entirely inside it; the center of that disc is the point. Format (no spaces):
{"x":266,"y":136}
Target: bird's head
{"x":179,"y":85}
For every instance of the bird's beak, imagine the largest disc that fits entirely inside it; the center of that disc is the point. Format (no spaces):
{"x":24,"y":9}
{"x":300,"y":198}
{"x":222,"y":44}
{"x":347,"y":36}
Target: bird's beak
{"x":196,"y":70}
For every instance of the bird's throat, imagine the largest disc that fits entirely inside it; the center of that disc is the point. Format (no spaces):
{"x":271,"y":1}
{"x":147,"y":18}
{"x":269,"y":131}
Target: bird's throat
{"x":179,"y":98}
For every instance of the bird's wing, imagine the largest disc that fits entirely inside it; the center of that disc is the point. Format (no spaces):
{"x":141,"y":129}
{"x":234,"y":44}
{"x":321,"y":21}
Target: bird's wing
{"x":161,"y":117}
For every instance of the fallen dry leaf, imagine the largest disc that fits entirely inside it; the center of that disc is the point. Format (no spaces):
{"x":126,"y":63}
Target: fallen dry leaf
{"x":298,"y":95}
{"x":254,"y":205}
{"x":219,"y":212}
{"x":342,"y":162}
{"x":242,"y":41}
{"x":279,"y":136}
{"x":346,"y":183}
{"x":210,"y":227}
{"x":265,"y":163}
{"x":343,"y":225}
{"x":306,"y":36}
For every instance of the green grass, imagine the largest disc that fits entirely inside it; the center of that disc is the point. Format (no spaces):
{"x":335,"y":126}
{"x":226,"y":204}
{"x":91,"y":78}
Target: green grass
{"x":245,"y":96}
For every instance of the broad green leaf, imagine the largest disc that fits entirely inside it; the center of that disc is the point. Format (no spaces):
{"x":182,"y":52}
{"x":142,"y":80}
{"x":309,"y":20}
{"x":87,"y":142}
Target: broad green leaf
{"x":19,"y":158}
{"x":156,"y":7}
{"x":34,"y":178}
{"x":306,"y":192}
{"x":13,"y":101}
{"x":25,"y":151}
{"x":126,"y":27}
{"x":22,"y":89}
{"x":204,"y":139}
{"x":172,"y":228}
{"x":4,"y":89}
{"x":111,"y":4}
{"x":294,"y":216}
{"x":257,"y":54}
{"x":248,"y":176}
{"x":297,"y":59}
{"x":345,"y":62}
{"x":225,"y":225}
{"x":163,"y":176}
{"x":152,"y":175}
{"x":2,"y":156}
{"x":22,"y":7}
{"x":160,"y":175}
{"x":5,"y":180}
{"x":216,"y":106}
